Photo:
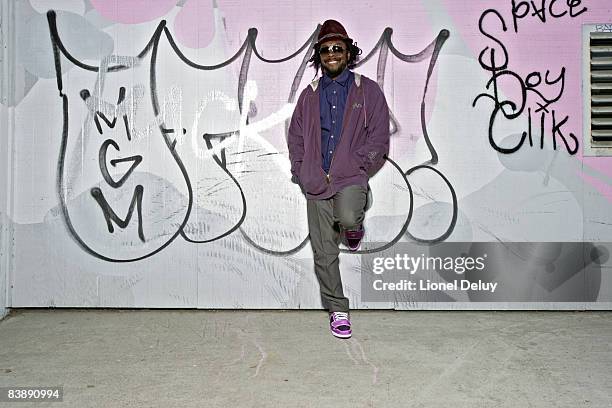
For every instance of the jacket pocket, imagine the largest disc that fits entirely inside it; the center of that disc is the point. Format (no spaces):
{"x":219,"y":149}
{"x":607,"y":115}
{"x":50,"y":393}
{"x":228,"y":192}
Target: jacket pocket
{"x":312,"y":179}
{"x":350,"y":168}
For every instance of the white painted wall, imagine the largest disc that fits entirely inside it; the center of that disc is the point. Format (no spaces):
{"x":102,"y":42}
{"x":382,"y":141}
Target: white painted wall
{"x":533,"y":195}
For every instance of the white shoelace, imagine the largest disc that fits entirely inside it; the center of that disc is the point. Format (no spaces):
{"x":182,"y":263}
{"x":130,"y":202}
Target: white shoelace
{"x":340,"y":315}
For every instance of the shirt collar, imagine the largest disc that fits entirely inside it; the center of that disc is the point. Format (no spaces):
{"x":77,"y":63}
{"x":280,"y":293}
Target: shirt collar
{"x":342,"y":79}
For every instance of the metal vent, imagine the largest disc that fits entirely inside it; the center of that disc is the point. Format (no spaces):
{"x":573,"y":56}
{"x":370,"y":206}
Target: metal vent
{"x":601,"y":88}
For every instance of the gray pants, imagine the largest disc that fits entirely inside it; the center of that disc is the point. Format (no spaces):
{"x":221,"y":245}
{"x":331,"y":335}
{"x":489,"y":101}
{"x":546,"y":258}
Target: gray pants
{"x":344,"y":210}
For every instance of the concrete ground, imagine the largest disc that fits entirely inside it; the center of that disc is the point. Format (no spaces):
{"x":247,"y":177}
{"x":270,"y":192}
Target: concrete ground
{"x":194,"y":358}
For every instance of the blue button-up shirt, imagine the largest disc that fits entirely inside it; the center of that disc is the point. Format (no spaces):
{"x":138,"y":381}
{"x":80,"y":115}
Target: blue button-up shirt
{"x":332,"y":100}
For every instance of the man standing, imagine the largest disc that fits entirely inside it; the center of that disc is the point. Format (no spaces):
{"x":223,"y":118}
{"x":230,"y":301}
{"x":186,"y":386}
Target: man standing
{"x":337,"y":139}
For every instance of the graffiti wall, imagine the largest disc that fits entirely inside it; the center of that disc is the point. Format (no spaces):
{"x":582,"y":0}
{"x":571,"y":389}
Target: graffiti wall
{"x":145,"y":161}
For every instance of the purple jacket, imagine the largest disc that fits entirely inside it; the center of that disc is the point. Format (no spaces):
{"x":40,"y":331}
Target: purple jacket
{"x":364,"y":140}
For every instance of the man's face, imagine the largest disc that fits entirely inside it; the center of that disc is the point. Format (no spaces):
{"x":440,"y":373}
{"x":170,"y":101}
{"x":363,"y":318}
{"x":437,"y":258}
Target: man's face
{"x":334,"y":57}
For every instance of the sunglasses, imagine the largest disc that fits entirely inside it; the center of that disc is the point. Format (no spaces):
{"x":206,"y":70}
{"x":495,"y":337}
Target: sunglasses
{"x":334,"y":49}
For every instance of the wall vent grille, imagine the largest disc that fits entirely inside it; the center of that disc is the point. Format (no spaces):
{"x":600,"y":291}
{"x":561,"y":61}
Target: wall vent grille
{"x":601,"y":88}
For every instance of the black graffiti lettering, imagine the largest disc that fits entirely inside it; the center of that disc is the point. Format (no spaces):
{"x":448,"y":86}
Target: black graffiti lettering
{"x":110,"y":216}
{"x":384,"y":46}
{"x":530,"y":85}
{"x":221,"y":159}
{"x":481,"y":58}
{"x":556,"y":130}
{"x":104,"y":170}
{"x":547,"y":81}
{"x":530,"y":126}
{"x":561,"y":78}
{"x":127,"y":127}
{"x":542,"y":116}
{"x":515,"y":109}
{"x":551,"y":10}
{"x":521,"y":10}
{"x":85,"y":95}
{"x":517,"y":14}
{"x":572,"y":4}
{"x":541,"y":12}
{"x":530,"y":132}
{"x":505,"y":150}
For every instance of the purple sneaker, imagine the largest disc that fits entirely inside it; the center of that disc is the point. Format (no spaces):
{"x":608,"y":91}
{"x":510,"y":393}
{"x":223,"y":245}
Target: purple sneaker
{"x":340,"y":325}
{"x":353,"y":238}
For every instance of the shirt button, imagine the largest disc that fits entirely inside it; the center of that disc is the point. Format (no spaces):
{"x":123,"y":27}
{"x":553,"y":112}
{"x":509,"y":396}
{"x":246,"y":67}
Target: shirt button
{"x":332,"y":136}
{"x":334,"y":91}
{"x":330,"y":152}
{"x":333,"y":121}
{"x":334,"y":107}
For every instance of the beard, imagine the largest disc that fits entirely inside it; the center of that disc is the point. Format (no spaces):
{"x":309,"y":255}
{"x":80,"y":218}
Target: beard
{"x":336,"y":69}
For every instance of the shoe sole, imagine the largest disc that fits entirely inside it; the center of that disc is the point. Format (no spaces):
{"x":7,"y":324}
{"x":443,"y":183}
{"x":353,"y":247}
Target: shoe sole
{"x":348,"y":248}
{"x":341,"y":336}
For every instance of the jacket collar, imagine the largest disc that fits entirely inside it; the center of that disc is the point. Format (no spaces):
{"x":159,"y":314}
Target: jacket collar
{"x":315,"y":84}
